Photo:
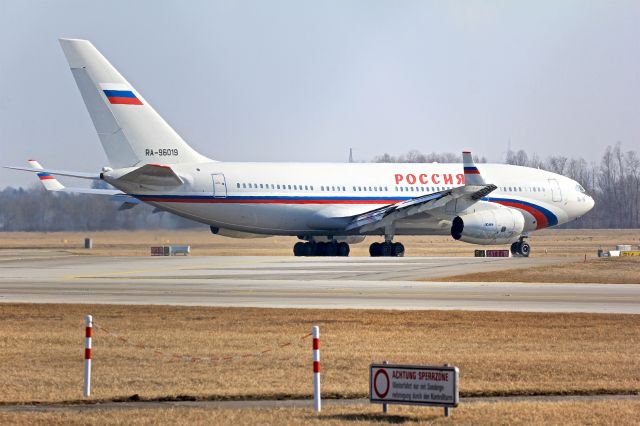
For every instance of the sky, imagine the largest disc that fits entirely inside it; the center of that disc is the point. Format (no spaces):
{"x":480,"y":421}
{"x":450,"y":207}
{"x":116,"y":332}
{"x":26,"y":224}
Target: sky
{"x":305,"y":81}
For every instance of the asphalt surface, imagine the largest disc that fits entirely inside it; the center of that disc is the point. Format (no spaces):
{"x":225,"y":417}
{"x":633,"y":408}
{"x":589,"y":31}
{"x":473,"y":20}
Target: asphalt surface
{"x":41,"y":276}
{"x":287,"y":403}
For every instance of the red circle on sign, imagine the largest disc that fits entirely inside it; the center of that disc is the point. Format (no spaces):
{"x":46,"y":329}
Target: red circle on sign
{"x":375,"y":383}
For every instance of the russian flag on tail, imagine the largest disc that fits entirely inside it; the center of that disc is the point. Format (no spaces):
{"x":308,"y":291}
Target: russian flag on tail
{"x":122,"y":97}
{"x":45,"y":176}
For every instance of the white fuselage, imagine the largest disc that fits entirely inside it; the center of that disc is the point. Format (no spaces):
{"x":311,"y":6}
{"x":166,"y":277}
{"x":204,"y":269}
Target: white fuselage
{"x":308,"y":199}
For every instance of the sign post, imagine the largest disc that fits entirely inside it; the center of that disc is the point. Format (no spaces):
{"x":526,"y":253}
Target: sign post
{"x":315,"y":334}
{"x":414,"y":385}
{"x":88,"y":333}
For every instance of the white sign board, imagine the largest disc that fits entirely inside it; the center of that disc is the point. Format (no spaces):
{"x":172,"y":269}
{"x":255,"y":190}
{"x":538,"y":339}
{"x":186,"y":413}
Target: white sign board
{"x":414,"y":384}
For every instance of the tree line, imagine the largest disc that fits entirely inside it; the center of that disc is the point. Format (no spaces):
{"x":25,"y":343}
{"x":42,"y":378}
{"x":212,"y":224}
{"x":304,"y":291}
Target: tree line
{"x":614,"y":183}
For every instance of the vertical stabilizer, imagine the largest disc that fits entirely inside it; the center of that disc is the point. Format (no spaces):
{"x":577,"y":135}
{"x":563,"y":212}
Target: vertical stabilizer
{"x":49,"y":182}
{"x":131,"y":131}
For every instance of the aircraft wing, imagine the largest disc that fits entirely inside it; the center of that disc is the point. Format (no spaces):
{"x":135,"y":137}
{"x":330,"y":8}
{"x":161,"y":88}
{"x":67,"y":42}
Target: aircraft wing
{"x":474,"y":189}
{"x":386,"y":215}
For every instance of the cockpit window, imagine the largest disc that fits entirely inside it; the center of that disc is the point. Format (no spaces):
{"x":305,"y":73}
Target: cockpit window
{"x":579,"y":188}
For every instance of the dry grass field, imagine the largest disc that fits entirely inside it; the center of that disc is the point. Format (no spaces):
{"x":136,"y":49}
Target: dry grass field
{"x":565,"y":413}
{"x":613,"y":270}
{"x":549,"y":242}
{"x":41,"y":351}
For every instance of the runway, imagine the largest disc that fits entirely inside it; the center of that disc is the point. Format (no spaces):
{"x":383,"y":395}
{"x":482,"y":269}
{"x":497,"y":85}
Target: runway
{"x":287,"y":282}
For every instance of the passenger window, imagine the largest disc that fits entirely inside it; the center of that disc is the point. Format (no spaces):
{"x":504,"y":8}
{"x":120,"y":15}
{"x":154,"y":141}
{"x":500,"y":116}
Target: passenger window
{"x":288,"y":186}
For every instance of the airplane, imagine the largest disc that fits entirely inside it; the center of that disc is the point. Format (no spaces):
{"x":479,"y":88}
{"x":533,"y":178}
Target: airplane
{"x":327,"y":206}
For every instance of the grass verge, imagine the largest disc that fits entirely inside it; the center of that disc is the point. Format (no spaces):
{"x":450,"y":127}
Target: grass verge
{"x":611,"y":270}
{"x":498,"y":353}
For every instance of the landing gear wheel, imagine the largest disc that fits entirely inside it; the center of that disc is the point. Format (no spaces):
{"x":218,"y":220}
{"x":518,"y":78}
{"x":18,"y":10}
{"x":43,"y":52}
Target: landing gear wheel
{"x":397,"y":249}
{"x":343,"y":249}
{"x":375,"y":250}
{"x":310,"y":249}
{"x":321,"y":249}
{"x":331,"y":249}
{"x":515,"y":248}
{"x":520,"y":248}
{"x":300,"y":249}
{"x":386,"y":249}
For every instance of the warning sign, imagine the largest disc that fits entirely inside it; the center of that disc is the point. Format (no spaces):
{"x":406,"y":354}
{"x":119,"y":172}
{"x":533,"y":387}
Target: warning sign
{"x":414,"y":384}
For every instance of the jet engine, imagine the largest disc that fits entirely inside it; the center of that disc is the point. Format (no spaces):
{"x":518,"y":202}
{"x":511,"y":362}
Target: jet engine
{"x":494,"y":226}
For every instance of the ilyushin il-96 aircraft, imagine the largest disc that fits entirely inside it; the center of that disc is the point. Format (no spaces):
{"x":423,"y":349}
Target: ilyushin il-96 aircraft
{"x":327,"y":206}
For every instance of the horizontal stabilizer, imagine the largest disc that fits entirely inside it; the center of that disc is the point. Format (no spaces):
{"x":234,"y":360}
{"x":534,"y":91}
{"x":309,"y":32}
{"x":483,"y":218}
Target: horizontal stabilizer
{"x":81,"y":175}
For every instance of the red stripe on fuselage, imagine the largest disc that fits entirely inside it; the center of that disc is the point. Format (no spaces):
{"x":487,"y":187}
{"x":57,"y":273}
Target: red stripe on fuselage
{"x":541,"y":220}
{"x":472,"y":172}
{"x":46,"y":177}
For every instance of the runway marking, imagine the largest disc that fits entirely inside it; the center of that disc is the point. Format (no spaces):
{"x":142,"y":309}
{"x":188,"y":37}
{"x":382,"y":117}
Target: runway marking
{"x":118,"y":274}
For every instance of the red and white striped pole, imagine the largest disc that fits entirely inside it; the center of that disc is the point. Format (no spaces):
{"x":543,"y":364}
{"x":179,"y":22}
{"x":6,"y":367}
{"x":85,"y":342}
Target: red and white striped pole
{"x":315,"y":333}
{"x":87,"y":355}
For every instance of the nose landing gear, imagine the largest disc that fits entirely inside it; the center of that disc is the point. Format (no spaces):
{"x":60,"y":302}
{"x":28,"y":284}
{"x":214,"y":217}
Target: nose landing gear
{"x":521,"y":248}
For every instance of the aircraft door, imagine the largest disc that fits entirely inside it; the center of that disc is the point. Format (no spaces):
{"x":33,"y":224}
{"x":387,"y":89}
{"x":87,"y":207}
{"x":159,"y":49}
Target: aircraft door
{"x":219,"y":185}
{"x":556,"y":193}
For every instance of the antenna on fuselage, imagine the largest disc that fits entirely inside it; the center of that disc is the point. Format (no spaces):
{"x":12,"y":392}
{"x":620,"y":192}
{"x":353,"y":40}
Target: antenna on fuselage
{"x":351,"y":155}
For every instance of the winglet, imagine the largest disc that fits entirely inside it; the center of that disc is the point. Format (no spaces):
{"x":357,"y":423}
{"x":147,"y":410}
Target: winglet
{"x":472,"y":175}
{"x":49,"y":182}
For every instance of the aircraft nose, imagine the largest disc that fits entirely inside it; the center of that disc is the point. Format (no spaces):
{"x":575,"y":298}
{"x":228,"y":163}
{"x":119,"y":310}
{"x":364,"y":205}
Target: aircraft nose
{"x":589,"y":204}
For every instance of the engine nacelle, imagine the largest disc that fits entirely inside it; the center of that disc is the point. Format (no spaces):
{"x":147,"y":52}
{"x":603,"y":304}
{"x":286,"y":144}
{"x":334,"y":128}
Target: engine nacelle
{"x":495,"y":226}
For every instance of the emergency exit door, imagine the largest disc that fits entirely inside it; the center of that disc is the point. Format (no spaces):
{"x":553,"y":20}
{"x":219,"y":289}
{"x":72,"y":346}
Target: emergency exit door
{"x":219,"y":185}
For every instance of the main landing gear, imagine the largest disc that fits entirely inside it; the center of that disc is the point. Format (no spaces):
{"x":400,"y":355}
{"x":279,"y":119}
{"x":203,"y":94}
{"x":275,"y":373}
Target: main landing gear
{"x":313,"y":248}
{"x":521,"y":248}
{"x":386,"y":249}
